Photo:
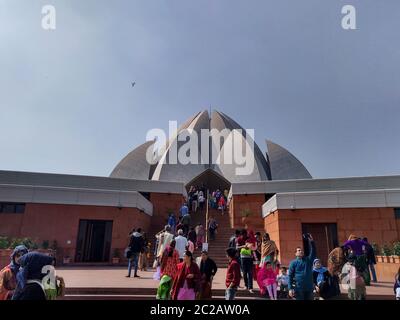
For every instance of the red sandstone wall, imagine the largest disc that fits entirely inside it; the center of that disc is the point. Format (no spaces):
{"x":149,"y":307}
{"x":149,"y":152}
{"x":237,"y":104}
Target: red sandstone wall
{"x":60,"y":222}
{"x":272,"y":225}
{"x":162,"y":204}
{"x":251,"y":202}
{"x":377,"y":224}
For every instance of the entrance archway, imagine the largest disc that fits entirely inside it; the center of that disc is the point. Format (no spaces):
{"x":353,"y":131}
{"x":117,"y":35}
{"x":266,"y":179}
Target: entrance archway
{"x":209,"y":179}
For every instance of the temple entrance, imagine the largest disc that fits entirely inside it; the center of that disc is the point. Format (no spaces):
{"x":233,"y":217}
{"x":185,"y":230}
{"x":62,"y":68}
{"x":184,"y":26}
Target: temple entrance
{"x":94,"y":241}
{"x":211,"y":180}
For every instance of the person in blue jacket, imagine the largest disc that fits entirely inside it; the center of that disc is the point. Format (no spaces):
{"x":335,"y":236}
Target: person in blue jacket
{"x":301,"y":284}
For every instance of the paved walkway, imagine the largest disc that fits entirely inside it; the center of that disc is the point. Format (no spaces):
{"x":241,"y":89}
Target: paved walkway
{"x":101,"y":279}
{"x":114,"y":277}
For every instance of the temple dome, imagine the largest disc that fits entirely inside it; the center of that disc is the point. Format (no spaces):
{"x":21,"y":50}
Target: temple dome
{"x":135,"y":165}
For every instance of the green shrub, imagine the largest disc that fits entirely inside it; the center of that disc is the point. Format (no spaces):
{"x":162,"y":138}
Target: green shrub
{"x":116,"y":253}
{"x":45,"y":244}
{"x":4,"y":243}
{"x":27,"y":242}
{"x":387,"y":250}
{"x":396,"y":248}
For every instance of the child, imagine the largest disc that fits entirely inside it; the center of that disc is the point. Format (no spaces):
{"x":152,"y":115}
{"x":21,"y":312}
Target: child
{"x":267,"y":280}
{"x":354,"y":280}
{"x":283,"y":282}
{"x":397,"y":285}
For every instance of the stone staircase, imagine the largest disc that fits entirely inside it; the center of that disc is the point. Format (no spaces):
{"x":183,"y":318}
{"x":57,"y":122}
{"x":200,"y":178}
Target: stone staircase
{"x":217,"y":247}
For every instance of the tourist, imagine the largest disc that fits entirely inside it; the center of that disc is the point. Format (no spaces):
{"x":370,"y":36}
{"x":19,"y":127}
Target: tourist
{"x":212,"y":228}
{"x":356,"y":245}
{"x":181,"y":244}
{"x":135,"y":248}
{"x":257,"y":255}
{"x":200,"y":234}
{"x":251,"y":240}
{"x":172,"y":222}
{"x":208,"y":269}
{"x":169,"y":268}
{"x":179,"y":226}
{"x":192,"y":236}
{"x":358,"y":249}
{"x":169,"y":260}
{"x":201,"y":200}
{"x":320,"y":277}
{"x":30,"y":276}
{"x":226,"y":194}
{"x":267,"y":280}
{"x":187,"y":280}
{"x":184,"y":210}
{"x":269,"y":250}
{"x":326,"y":285}
{"x":221,"y":204}
{"x":233,"y":239}
{"x":165,"y":237}
{"x":194,"y":198}
{"x":352,"y":276}
{"x":143,"y":257}
{"x":232,"y":280}
{"x":241,"y":243}
{"x":186,"y":224}
{"x":371,"y":259}
{"x":301,"y":283}
{"x":246,"y":258}
{"x":8,"y":275}
{"x":218,"y":195}
{"x":213,"y":201}
{"x":190,"y":246}
{"x":396,"y":287}
{"x":283,"y":283}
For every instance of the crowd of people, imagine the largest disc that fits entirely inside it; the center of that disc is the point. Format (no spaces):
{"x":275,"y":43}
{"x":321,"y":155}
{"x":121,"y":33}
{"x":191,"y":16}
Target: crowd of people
{"x":197,"y":197}
{"x":182,"y":278}
{"x":250,"y":257}
{"x":30,"y":276}
{"x":253,"y":257}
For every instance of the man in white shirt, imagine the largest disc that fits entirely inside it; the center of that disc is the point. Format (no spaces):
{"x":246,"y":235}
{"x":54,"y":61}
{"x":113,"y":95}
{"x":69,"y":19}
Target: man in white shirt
{"x":181,"y":244}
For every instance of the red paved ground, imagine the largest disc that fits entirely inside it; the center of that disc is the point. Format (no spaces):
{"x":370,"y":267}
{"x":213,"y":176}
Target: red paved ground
{"x":106,"y":281}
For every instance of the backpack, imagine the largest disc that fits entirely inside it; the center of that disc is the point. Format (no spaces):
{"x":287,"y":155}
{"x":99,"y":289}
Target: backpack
{"x":232,"y":242}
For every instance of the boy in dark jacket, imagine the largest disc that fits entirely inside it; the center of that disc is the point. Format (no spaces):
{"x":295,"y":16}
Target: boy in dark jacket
{"x":136,"y":245}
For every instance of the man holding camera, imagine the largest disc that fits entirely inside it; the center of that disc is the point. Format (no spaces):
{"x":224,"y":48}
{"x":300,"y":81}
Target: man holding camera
{"x":301,"y":284}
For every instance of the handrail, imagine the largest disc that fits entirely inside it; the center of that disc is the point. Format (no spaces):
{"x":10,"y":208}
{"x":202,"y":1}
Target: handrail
{"x":207,"y":205}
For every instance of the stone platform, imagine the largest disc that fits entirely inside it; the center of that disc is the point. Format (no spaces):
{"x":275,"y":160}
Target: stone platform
{"x":110,"y":283}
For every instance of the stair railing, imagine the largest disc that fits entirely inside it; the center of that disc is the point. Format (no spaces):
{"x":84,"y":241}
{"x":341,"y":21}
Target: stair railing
{"x":207,"y":205}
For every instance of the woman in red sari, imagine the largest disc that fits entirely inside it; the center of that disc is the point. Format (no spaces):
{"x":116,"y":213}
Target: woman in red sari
{"x":187,"y":279}
{"x":170,"y":260}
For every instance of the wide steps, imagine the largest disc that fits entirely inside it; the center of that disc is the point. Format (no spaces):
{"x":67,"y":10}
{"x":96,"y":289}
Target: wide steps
{"x":136,"y":293}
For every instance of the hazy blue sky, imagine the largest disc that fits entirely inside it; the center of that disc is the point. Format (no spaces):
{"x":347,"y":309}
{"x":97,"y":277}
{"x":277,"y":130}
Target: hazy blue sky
{"x":285,"y":68}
